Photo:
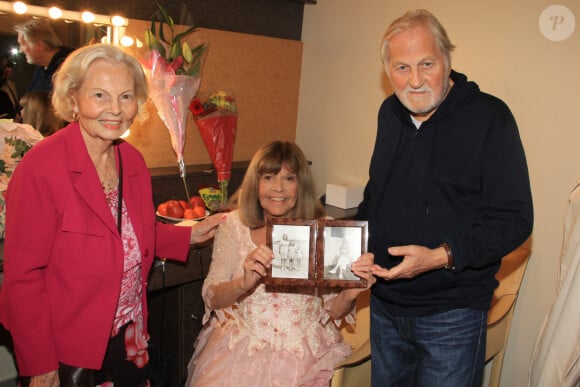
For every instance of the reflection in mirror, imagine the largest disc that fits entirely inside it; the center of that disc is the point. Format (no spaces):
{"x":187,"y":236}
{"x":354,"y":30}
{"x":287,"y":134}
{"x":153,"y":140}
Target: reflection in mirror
{"x":72,"y":33}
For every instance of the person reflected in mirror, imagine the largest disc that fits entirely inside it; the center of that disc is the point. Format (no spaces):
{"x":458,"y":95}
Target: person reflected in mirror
{"x":82,"y":235}
{"x":8,"y":91}
{"x":42,"y":47}
{"x":37,"y":111}
{"x":447,"y":197}
{"x":7,"y":111}
{"x":253,"y":337}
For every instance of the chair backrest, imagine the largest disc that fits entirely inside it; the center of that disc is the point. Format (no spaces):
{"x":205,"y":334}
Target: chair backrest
{"x":358,"y":334}
{"x":355,"y":370}
{"x":510,"y":275}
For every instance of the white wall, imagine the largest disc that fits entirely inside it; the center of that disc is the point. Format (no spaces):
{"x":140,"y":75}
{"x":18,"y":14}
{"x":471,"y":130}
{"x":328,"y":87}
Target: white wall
{"x":499,"y":45}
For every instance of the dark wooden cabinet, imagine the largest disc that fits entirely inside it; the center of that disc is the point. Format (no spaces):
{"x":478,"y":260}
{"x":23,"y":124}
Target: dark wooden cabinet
{"x":175,"y":314}
{"x":174,"y":289}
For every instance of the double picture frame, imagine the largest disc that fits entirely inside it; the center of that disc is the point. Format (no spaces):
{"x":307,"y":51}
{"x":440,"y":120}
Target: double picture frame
{"x":315,"y":253}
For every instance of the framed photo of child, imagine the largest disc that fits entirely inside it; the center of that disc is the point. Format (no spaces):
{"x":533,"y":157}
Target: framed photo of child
{"x":316,"y":253}
{"x":293,"y":242}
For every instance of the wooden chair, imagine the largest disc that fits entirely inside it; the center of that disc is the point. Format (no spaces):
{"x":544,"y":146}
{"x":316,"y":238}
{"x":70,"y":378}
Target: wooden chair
{"x":510,"y":275}
{"x":355,"y":371}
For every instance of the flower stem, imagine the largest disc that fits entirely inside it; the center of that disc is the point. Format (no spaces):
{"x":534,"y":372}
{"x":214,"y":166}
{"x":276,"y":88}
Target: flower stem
{"x":224,"y":187}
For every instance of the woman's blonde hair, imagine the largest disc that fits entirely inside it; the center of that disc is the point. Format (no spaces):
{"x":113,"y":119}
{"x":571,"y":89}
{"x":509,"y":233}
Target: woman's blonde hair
{"x":71,"y":75}
{"x":37,"y":112}
{"x":270,"y":159}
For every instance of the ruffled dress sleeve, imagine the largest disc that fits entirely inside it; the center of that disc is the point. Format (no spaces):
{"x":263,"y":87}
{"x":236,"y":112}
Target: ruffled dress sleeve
{"x":226,"y":260}
{"x":327,"y":298}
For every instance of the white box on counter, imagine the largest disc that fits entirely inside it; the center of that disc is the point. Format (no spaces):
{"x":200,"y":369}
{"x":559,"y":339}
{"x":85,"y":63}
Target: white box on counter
{"x":344,"y":195}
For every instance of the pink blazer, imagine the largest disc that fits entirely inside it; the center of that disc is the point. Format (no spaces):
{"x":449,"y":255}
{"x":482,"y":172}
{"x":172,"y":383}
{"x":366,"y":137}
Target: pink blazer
{"x":63,"y":256}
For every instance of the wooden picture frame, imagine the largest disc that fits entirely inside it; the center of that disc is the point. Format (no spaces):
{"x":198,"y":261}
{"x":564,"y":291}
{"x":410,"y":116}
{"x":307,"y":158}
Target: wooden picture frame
{"x":314,"y":253}
{"x":339,"y":243}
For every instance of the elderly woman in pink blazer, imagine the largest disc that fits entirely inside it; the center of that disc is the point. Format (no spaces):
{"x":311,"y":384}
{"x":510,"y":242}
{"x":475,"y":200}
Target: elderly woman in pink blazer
{"x":81,"y":233}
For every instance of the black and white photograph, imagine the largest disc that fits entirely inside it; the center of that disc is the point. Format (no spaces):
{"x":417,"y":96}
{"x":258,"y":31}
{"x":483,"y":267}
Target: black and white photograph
{"x":291,"y":246}
{"x":342,"y":246}
{"x":311,"y":252}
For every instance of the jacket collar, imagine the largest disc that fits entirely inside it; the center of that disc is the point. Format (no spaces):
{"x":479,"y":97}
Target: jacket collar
{"x":84,"y":175}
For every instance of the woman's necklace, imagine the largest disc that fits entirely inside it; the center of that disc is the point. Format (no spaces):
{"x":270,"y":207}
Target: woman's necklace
{"x":108,"y":176}
{"x":109,"y":183}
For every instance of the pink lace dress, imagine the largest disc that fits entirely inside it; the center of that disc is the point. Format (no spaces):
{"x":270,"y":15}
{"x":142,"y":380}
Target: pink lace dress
{"x":266,"y":339}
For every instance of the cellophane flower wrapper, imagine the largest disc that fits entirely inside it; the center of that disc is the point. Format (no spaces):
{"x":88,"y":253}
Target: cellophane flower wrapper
{"x":172,"y":95}
{"x":217,"y":121}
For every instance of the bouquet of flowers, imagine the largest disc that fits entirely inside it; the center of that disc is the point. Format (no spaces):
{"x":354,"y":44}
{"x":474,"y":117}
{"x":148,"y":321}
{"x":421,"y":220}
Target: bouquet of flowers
{"x":15,"y":140}
{"x":217,"y":121}
{"x":173,"y":68}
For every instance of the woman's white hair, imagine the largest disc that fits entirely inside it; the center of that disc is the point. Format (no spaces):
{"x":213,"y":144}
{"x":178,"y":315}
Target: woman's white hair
{"x":71,"y":75}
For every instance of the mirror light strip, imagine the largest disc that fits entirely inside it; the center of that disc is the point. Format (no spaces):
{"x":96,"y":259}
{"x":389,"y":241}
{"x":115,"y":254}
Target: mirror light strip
{"x":34,"y":10}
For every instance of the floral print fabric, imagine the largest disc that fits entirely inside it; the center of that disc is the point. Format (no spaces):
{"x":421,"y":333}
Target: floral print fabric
{"x":129,"y":307}
{"x":267,"y":338}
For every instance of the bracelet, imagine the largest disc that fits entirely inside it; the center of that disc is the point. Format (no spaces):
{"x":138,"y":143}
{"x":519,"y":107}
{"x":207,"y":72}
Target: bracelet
{"x":450,"y":261}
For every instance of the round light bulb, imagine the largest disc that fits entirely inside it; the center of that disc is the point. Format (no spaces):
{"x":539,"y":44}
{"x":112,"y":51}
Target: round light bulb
{"x":127,"y":41}
{"x":88,"y":17}
{"x":20,"y":7}
{"x":54,"y":12}
{"x":118,"y":21}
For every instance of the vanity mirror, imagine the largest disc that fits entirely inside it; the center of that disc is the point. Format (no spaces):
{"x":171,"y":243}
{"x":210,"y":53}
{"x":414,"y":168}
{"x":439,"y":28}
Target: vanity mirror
{"x":74,"y":28}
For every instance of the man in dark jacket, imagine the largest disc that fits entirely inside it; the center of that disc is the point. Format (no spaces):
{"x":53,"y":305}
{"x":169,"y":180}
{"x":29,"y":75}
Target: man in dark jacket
{"x":448,"y":196}
{"x":43,"y":48}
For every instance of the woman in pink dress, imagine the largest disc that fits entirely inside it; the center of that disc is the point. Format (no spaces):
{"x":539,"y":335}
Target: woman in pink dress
{"x":252,"y":337}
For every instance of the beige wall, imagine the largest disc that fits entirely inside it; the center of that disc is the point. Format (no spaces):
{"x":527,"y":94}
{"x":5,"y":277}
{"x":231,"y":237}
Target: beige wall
{"x":263,"y":75}
{"x":499,"y":46}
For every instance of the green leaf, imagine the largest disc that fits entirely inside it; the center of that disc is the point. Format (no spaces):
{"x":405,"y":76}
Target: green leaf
{"x":186,"y":52}
{"x":175,"y":50}
{"x":153,"y":43}
{"x":20,"y":146}
{"x":148,"y":38}
{"x":159,"y":48}
{"x":161,"y":33}
{"x":199,"y":50}
{"x":195,"y":70}
{"x":184,"y":33}
{"x":156,"y":40}
{"x":168,"y":19}
{"x":197,"y":53}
